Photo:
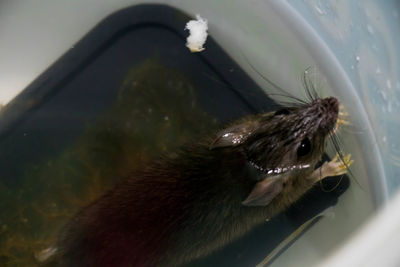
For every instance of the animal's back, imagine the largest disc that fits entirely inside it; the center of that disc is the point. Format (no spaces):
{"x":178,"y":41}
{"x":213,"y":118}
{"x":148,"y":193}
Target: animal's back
{"x":129,"y":226}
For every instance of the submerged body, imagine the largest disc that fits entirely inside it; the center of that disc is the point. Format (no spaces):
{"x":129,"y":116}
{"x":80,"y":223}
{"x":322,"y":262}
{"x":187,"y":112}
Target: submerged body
{"x":190,"y":203}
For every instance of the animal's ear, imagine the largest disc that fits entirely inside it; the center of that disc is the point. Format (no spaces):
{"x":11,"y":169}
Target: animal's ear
{"x":234,"y":135}
{"x":264,"y":192}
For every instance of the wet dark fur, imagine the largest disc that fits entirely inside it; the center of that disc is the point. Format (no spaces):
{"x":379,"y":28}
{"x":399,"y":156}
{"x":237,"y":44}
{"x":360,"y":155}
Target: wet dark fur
{"x":271,"y":147}
{"x":188,"y":204}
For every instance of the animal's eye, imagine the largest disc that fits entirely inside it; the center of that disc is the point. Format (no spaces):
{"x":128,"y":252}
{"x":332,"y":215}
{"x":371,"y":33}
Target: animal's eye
{"x":304,"y":148}
{"x":283,"y":111}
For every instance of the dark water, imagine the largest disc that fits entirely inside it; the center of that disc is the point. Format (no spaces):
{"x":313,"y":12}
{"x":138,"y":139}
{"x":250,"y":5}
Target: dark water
{"x":156,"y":109}
{"x":125,"y":94}
{"x":150,"y":116}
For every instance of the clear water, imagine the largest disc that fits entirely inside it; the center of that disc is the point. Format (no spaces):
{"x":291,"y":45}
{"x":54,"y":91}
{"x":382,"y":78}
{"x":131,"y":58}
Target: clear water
{"x":150,"y":116}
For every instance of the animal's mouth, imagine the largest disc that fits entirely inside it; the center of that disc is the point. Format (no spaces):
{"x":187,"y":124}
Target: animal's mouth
{"x":278,"y":170}
{"x":331,"y":104}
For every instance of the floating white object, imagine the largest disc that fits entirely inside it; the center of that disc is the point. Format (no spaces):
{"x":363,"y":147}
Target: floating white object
{"x":198,"y":34}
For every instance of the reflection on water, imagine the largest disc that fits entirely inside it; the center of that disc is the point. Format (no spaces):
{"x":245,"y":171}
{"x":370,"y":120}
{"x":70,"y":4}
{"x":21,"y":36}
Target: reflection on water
{"x":156,"y":111}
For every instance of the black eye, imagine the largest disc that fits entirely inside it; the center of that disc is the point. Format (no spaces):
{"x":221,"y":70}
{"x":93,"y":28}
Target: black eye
{"x":283,"y":111}
{"x":304,"y":148}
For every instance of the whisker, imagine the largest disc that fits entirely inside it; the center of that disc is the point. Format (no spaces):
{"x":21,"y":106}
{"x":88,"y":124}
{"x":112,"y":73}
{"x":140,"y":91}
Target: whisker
{"x":309,"y":86}
{"x":271,"y":83}
{"x":295,"y":99}
{"x":337,"y":144}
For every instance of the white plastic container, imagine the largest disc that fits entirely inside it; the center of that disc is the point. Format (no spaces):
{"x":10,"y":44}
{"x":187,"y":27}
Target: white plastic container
{"x":352,"y":46}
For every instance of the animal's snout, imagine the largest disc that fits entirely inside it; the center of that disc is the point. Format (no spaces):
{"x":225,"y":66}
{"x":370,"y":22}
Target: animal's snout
{"x":327,"y":110}
{"x":331,"y":104}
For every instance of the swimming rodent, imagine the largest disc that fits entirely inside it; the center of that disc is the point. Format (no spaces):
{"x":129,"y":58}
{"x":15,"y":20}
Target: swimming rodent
{"x":188,"y":204}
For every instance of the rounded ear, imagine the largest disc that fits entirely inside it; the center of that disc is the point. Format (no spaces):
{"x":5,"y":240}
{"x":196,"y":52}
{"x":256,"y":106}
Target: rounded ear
{"x":264,"y":191}
{"x":234,"y":135}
